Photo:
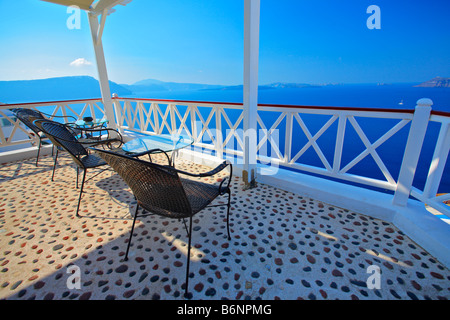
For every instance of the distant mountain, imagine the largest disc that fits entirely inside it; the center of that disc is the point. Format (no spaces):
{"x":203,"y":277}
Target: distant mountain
{"x":239,"y":87}
{"x":62,"y":88}
{"x":275,"y":85}
{"x":150,"y":85}
{"x":292,"y":85}
{"x":437,"y":82}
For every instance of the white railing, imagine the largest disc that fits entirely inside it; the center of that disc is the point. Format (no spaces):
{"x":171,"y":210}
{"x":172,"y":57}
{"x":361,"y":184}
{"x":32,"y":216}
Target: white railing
{"x":291,"y":137}
{"x":436,"y":170}
{"x":13,"y":133}
{"x":217,"y":127}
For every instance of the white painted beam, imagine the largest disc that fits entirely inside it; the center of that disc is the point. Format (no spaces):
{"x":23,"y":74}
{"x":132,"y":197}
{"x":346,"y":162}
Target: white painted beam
{"x":102,"y":5}
{"x":102,"y":70}
{"x":251,"y":60}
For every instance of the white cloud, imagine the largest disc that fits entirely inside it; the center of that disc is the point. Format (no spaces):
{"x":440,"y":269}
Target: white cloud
{"x":80,"y":62}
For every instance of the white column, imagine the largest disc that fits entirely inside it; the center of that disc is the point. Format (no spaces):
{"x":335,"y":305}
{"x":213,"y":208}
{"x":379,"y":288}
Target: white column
{"x":251,"y":57}
{"x":413,"y":148}
{"x":96,"y":32}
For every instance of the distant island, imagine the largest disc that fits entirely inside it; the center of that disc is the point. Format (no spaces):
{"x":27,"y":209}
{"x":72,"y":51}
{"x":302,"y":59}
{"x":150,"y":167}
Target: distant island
{"x":86,"y":87}
{"x":149,"y":85}
{"x":51,"y":89}
{"x":276,"y":85}
{"x":437,"y":82}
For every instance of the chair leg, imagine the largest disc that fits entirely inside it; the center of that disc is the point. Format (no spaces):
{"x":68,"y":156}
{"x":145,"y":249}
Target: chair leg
{"x":185,"y":227}
{"x":81,"y":192}
{"x":54,"y":164}
{"x":188,"y":258}
{"x":131,"y":233}
{"x":39,"y":151}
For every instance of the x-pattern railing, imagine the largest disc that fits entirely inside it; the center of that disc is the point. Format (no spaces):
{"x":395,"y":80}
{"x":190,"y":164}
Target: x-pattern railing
{"x":10,"y":125}
{"x":226,"y":136}
{"x":294,"y":118}
{"x":219,"y":127}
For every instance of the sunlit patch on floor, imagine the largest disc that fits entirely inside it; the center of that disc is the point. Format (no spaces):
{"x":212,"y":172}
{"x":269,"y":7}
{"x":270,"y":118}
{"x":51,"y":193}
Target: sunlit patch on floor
{"x":283,"y":246}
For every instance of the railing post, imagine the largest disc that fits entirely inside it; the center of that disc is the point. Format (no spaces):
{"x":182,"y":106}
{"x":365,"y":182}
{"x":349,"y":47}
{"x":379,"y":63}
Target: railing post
{"x":288,"y":137}
{"x":193,"y":122}
{"x":219,"y":135}
{"x":413,"y":148}
{"x":339,"y":143}
{"x":119,"y":115}
{"x":173,"y":122}
{"x":438,"y":162}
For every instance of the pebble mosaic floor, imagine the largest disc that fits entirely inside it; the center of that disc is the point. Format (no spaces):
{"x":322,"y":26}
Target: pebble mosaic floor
{"x":283,"y":246}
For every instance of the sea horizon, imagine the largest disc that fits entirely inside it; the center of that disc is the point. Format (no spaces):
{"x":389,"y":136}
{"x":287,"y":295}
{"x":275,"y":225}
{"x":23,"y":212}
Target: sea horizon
{"x":398,"y":96}
{"x":402,"y":95}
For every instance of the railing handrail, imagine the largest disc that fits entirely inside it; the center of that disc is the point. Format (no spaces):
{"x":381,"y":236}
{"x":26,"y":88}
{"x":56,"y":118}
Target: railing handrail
{"x":337,"y":108}
{"x":409,"y":111}
{"x":44,"y":103}
{"x":289,"y":106}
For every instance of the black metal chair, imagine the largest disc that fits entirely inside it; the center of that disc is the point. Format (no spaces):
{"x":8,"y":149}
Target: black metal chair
{"x":111,"y":139}
{"x":28,"y":116}
{"x":159,"y":190}
{"x":62,"y":137}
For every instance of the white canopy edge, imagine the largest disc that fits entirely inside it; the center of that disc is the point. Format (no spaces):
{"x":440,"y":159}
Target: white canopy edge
{"x":96,"y":8}
{"x":82,"y":4}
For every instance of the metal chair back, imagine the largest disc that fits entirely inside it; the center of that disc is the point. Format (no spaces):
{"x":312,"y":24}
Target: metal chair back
{"x":65,"y":139}
{"x":27,"y":117}
{"x":157,"y":188}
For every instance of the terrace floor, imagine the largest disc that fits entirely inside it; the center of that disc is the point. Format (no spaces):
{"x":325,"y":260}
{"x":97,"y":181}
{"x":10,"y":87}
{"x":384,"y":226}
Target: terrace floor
{"x":283,"y":246}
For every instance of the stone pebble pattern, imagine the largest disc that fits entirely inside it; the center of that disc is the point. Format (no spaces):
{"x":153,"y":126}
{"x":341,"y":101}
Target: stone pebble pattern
{"x":283,"y":246}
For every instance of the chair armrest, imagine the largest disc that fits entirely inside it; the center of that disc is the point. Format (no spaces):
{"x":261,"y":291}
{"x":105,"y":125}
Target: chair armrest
{"x":96,"y":142}
{"x":108,"y":130}
{"x":143,"y":153}
{"x":214,"y":171}
{"x":55,"y":116}
{"x":77,"y":130}
{"x":135,"y":155}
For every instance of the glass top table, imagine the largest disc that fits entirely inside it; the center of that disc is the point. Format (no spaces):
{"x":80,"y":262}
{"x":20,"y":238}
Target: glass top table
{"x":90,"y":124}
{"x":164,"y":142}
{"x":88,"y":128}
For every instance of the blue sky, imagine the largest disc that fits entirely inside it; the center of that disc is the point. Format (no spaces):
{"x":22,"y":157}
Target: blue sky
{"x":201,"y":41}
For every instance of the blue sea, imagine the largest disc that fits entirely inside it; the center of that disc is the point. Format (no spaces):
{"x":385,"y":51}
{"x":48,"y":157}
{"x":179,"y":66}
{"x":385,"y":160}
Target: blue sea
{"x":397,"y":96}
{"x":357,"y":95}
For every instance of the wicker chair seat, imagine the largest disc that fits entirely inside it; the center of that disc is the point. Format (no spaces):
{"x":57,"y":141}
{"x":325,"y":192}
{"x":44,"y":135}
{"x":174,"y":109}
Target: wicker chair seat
{"x":160,"y":190}
{"x":92,"y":161}
{"x":199,"y":194}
